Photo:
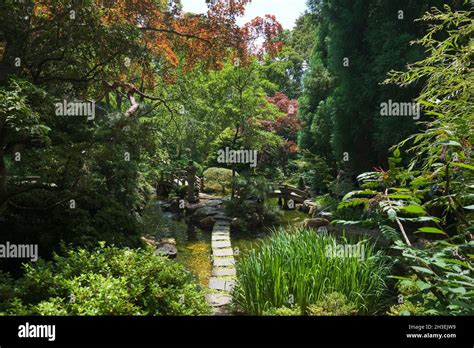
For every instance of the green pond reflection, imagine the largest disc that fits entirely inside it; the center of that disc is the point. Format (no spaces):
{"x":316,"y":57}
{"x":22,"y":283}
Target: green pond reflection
{"x":194,"y":244}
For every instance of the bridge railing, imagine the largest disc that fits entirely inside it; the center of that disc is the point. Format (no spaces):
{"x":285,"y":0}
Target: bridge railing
{"x":288,"y":192}
{"x":179,"y":178}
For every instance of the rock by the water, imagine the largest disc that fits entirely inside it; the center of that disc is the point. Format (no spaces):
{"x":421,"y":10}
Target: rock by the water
{"x":148,"y":241}
{"x":207,"y":223}
{"x":192,"y":207}
{"x":205,"y":211}
{"x":311,"y":207}
{"x":168,"y":241}
{"x":315,"y":223}
{"x":167,"y":247}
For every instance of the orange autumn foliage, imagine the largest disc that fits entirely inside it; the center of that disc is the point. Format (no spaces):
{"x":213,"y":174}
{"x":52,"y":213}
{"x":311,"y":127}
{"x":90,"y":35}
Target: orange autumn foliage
{"x":162,"y":37}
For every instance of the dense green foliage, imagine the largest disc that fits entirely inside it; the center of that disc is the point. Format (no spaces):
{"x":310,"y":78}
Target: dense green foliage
{"x":341,"y":101}
{"x":432,"y":196}
{"x":332,"y":304}
{"x":169,"y":88}
{"x":217,"y":179}
{"x":103,"y":281}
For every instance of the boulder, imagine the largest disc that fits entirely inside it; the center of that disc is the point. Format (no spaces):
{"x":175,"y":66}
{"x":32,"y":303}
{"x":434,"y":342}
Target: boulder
{"x":148,"y":241}
{"x":315,"y":223}
{"x":192,"y":207}
{"x":311,"y":207}
{"x":167,"y":247}
{"x":171,"y":241}
{"x":206,"y":223}
{"x":205,"y":212}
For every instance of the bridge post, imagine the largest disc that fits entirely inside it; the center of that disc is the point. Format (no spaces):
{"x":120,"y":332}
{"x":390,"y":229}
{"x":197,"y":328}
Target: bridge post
{"x":191,"y":178}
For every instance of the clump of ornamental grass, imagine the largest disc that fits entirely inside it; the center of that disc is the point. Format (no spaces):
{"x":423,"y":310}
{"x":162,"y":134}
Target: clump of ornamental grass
{"x":300,"y":267}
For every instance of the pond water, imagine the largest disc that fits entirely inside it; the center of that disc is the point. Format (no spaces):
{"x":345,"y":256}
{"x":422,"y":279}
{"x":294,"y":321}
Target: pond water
{"x":194,"y":244}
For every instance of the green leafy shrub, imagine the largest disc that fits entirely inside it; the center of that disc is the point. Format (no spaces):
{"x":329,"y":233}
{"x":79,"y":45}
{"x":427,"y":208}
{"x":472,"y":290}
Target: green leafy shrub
{"x":7,"y":292}
{"x":443,"y":278}
{"x":217,"y":179}
{"x":334,"y":304}
{"x":432,"y":196}
{"x":251,"y":202}
{"x":106,"y":281}
{"x":326,"y":202}
{"x":292,"y":267}
{"x":314,"y":171}
{"x":406,"y":308}
{"x":283,"y":311}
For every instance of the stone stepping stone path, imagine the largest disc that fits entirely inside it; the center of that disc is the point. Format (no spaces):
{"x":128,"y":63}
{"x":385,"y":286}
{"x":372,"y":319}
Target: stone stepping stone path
{"x":224,"y":243}
{"x":223,"y":273}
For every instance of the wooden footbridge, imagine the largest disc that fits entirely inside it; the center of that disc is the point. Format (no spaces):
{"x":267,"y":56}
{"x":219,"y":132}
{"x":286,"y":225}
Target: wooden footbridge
{"x":289,"y":193}
{"x":169,"y":181}
{"x":286,"y":194}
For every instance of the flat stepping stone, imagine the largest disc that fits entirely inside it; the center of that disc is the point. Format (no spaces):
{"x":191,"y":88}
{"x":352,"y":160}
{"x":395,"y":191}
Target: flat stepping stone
{"x":223,"y":252}
{"x":221,"y":216}
{"x":227,"y":234}
{"x":220,"y":237}
{"x":221,"y":284}
{"x":218,"y":226}
{"x":221,"y":229}
{"x":218,"y":300}
{"x":229,"y":261}
{"x":223,"y":272}
{"x":221,"y":244}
